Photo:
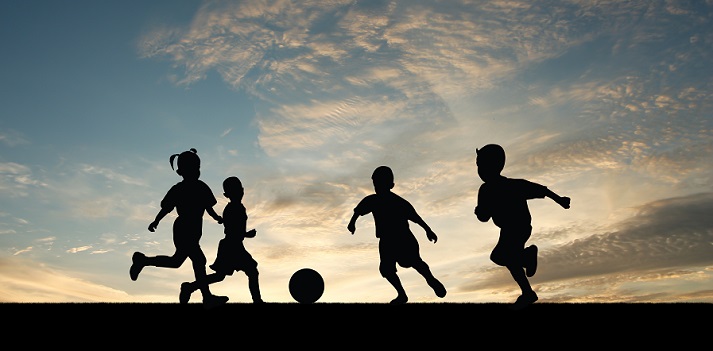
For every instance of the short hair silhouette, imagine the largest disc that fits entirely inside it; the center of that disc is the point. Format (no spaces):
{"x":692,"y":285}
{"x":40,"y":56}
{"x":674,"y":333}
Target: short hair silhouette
{"x":504,"y":200}
{"x":491,"y":156}
{"x":232,"y":184}
{"x":383,"y":175}
{"x":397,"y":244}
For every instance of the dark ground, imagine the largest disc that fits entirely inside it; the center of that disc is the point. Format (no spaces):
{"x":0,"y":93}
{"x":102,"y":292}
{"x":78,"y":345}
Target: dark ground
{"x":320,"y":325}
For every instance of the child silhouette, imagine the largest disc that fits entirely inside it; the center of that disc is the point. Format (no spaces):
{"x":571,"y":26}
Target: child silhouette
{"x":191,"y":198}
{"x":397,"y":244}
{"x":232,"y":255}
{"x":505,"y":201}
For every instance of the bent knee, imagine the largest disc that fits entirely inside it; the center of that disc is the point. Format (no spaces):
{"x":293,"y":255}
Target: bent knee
{"x":387,"y":272}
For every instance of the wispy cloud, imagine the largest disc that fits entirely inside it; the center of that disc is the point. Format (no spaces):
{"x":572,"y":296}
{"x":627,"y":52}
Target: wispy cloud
{"x":79,"y":249}
{"x":662,"y":238}
{"x":29,"y":281}
{"x":12,"y":138}
{"x":22,"y":251}
{"x":16,"y":179}
{"x":111,"y":175}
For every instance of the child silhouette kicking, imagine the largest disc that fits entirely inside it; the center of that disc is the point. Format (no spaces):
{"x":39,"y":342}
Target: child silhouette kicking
{"x":397,"y":244}
{"x":191,"y":198}
{"x":232,"y":255}
{"x":505,"y":201}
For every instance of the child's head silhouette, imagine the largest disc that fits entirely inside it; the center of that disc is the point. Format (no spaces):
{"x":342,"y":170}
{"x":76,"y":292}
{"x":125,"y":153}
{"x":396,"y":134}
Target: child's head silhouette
{"x":233,"y":188}
{"x":383,"y":178}
{"x":188,"y":164}
{"x":490,"y":160}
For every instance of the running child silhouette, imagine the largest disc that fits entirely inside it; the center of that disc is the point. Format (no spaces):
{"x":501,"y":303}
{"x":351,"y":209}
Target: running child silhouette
{"x":232,"y":255}
{"x":191,"y":198}
{"x":504,"y":200}
{"x":397,"y":244}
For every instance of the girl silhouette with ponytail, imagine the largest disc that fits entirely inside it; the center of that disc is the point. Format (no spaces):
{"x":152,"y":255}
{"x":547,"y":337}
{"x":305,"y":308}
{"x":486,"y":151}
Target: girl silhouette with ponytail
{"x":191,"y":198}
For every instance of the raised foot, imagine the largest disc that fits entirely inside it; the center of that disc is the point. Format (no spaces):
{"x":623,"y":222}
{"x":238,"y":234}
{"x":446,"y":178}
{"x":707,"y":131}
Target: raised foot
{"x":137,"y":264}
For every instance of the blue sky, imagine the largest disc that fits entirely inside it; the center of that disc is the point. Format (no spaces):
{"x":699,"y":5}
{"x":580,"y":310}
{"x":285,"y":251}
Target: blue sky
{"x":606,"y":102}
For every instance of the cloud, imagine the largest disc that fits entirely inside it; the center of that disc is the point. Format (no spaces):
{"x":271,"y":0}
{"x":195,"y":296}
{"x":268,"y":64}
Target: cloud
{"x":226,"y":132}
{"x":12,"y":138}
{"x":79,"y":249}
{"x":22,"y":251}
{"x":111,"y":175}
{"x":29,"y":281}
{"x":16,"y":179}
{"x":662,"y":253}
{"x":667,"y":235}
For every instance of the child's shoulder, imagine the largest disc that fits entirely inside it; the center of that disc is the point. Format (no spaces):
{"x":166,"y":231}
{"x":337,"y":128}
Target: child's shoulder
{"x":234,"y":205}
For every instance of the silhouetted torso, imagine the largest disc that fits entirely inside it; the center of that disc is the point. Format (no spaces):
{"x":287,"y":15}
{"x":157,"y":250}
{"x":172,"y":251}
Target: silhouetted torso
{"x":391,"y":214}
{"x":190,"y":198}
{"x":505,"y":201}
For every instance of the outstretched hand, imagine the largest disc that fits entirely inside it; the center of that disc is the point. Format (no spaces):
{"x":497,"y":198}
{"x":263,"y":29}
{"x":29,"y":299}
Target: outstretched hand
{"x":564,"y":202}
{"x":152,"y":226}
{"x":351,"y":227}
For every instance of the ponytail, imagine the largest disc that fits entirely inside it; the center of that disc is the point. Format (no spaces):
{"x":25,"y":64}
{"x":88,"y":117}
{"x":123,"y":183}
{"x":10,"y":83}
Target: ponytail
{"x":191,"y":152}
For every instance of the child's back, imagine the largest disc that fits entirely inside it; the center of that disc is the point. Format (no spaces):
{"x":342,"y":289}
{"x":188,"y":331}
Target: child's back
{"x":391,"y":214}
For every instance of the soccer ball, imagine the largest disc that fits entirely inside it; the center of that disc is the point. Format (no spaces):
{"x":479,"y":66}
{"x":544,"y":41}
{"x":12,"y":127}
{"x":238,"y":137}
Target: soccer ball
{"x":306,"y":286}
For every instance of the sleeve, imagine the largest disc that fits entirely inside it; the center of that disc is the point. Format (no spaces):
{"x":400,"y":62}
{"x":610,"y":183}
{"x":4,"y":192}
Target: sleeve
{"x":169,"y":201}
{"x":209,"y":198}
{"x":531,"y":190}
{"x":365,"y":206}
{"x":483,"y":206}
{"x":410,"y":211}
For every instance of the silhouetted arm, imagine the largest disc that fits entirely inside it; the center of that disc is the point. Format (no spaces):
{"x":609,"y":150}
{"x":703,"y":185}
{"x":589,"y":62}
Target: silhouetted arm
{"x":482,"y":211}
{"x":213,"y":214}
{"x":429,"y":233}
{"x":352,"y":223}
{"x":482,"y":216}
{"x":561,"y":200}
{"x":159,"y":217}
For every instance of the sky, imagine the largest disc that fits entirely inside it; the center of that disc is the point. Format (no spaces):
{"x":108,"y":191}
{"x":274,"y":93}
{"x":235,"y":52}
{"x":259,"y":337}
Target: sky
{"x":606,"y":102}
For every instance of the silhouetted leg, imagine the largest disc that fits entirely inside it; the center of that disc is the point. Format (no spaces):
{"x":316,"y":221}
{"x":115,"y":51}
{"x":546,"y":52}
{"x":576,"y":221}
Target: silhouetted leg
{"x":530,"y":258}
{"x":165,"y":261}
{"x":139,"y":261}
{"x":396,"y":283}
{"x":434,"y":283}
{"x":201,"y":283}
{"x":254,"y":286}
{"x":209,"y":300}
{"x":188,"y":288}
{"x":528,"y":295}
